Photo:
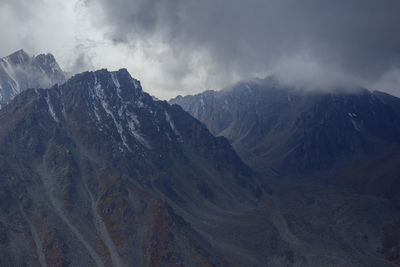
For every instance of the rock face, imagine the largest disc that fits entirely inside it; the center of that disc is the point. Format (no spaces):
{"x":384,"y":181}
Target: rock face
{"x":347,"y":135}
{"x":20,"y":71}
{"x":94,"y":172}
{"x":91,"y":170}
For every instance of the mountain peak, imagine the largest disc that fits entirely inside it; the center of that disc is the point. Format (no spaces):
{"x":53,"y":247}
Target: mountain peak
{"x":19,"y":52}
{"x":112,"y":101}
{"x":20,"y":71}
{"x":99,"y":139}
{"x":117,"y":81}
{"x":48,"y":58}
{"x":19,"y":57}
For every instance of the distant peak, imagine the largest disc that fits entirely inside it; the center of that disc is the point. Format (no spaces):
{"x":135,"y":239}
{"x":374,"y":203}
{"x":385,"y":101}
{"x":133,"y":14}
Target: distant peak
{"x":46,"y":56}
{"x":46,"y":60}
{"x":123,"y":72}
{"x":19,"y":57}
{"x":19,"y":52}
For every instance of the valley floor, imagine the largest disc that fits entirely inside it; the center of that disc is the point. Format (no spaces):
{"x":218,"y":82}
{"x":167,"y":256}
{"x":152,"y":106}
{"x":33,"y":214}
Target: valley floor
{"x":304,"y":223}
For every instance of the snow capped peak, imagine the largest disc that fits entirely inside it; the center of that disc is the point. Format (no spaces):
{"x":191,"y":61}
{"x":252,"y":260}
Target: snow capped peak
{"x":20,"y":71}
{"x":119,"y":81}
{"x":114,"y":100}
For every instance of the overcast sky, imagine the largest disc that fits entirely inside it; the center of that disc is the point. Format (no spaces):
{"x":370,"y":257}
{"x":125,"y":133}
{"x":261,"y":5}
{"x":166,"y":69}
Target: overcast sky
{"x":186,"y":46}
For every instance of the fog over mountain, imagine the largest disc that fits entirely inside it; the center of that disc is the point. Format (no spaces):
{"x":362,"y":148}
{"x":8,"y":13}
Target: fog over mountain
{"x":178,"y":47}
{"x":20,"y":71}
{"x":347,"y":136}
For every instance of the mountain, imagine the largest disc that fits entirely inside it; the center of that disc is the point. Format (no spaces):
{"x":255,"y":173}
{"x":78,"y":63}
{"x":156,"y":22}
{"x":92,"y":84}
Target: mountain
{"x":95,"y":172}
{"x":92,"y":168}
{"x":350,"y":136}
{"x":20,"y":71}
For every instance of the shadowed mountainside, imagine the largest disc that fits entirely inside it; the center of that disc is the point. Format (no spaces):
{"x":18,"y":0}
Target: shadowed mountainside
{"x":345,"y":136}
{"x":95,"y":172}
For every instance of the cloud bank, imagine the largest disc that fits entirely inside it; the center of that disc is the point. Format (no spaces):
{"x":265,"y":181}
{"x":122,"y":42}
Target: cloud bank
{"x":215,"y":41}
{"x":186,"y":46}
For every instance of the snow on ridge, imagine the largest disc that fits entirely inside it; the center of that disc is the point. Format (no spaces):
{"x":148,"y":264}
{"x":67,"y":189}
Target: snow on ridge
{"x":352,"y":115}
{"x":133,"y":130}
{"x":202,"y":102}
{"x":115,"y":80}
{"x":122,"y":114}
{"x":50,"y":107}
{"x":356,"y":125}
{"x":135,"y":83}
{"x":99,"y":94}
{"x":171,"y":123}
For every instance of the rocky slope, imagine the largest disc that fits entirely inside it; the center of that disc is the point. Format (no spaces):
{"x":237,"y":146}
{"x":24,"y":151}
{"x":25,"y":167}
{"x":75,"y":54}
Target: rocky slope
{"x":91,"y":170}
{"x":20,"y":71}
{"x":298,"y":133}
{"x":95,"y":172}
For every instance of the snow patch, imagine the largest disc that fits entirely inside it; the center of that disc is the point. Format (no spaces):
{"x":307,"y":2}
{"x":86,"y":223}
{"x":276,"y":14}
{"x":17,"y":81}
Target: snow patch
{"x":139,"y":103}
{"x":126,"y":122}
{"x":171,"y":123}
{"x":99,"y":94}
{"x":202,"y":102}
{"x":115,"y":79}
{"x":133,"y":125}
{"x":135,"y":84}
{"x":356,"y":125}
{"x":352,"y":115}
{"x":63,"y":110}
{"x":50,"y":107}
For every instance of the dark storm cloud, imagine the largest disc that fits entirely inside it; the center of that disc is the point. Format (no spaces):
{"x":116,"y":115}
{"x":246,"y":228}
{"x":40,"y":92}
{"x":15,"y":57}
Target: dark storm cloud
{"x":352,"y":39}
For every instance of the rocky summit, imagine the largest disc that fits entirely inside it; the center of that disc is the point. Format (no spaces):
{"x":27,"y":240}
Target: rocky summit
{"x":95,"y":172}
{"x":20,"y":71}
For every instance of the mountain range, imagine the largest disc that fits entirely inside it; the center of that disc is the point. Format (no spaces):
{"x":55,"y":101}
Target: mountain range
{"x":346,"y":136}
{"x":96,"y":172}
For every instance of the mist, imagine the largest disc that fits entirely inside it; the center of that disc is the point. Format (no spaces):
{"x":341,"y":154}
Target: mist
{"x":183,"y":47}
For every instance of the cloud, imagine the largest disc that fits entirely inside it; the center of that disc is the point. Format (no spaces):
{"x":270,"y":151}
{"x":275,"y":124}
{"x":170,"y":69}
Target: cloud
{"x":348,"y":40}
{"x":389,"y":82}
{"x":186,"y":46}
{"x":48,"y":26}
